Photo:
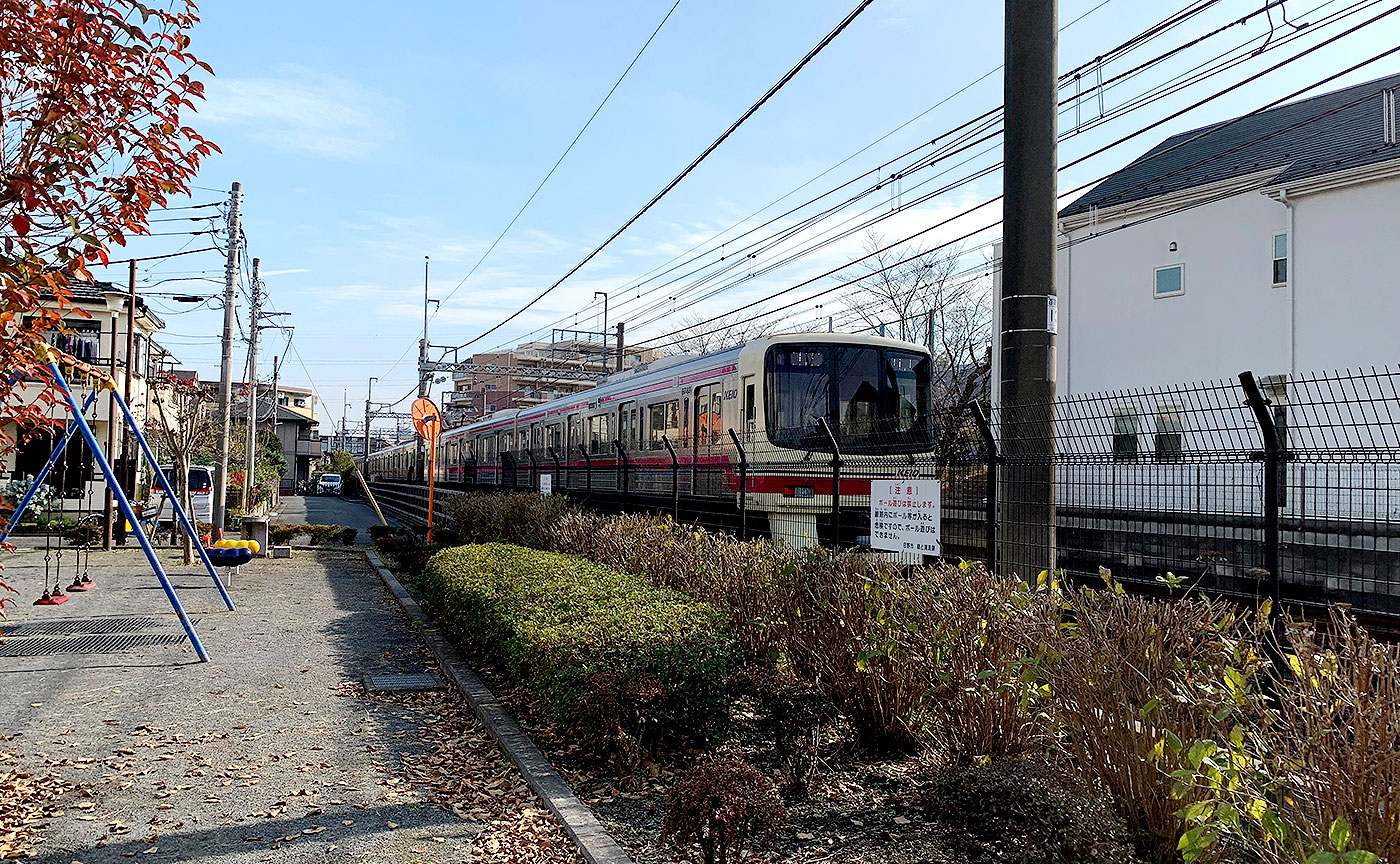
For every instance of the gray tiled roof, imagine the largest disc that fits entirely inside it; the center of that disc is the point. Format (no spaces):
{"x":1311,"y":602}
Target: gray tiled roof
{"x":1309,"y":138}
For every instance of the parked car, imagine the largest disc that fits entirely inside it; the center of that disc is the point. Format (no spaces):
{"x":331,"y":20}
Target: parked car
{"x":329,"y":484}
{"x":201,"y":494}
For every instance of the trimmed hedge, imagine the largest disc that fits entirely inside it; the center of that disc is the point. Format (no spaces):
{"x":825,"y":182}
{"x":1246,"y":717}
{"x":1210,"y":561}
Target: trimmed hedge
{"x":567,"y":628}
{"x":319,"y":535}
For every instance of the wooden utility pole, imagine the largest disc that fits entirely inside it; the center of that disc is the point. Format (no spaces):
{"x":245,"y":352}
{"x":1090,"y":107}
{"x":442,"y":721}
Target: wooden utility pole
{"x":1028,"y":288}
{"x":620,"y":331}
{"x":277,"y":406}
{"x":235,"y":202}
{"x":250,"y":458}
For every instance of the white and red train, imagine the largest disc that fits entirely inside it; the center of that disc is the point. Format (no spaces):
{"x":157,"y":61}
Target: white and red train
{"x":875,"y":395}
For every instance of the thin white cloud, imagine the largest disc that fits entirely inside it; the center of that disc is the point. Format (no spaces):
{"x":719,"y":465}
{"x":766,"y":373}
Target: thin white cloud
{"x":284,"y":272}
{"x":301,"y":110}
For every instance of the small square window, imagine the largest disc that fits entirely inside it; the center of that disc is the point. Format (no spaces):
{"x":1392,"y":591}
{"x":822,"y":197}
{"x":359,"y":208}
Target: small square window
{"x":1168,"y":281}
{"x":1280,"y":259}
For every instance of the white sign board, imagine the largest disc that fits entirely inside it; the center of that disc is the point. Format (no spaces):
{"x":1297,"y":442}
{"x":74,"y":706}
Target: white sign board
{"x":1052,"y":314}
{"x":546,"y":484}
{"x":904,"y":516}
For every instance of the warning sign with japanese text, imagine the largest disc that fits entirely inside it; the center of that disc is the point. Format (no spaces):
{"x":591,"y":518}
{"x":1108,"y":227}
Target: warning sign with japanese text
{"x":904,"y":516}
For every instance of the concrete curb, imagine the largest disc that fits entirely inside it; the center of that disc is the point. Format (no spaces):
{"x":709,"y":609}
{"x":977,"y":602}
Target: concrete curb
{"x":593,"y":842}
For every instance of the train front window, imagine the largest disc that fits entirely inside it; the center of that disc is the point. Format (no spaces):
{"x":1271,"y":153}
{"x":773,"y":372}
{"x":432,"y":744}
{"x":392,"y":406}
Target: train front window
{"x":875,"y":399}
{"x":907,"y":378}
{"x":799,"y":391}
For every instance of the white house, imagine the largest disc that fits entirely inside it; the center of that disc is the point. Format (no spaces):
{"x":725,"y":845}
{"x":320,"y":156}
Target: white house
{"x":1262,"y":243}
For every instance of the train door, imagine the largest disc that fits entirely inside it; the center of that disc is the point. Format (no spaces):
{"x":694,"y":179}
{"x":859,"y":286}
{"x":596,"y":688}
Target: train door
{"x":750,"y":410}
{"x":707,"y":440}
{"x":627,"y":436}
{"x":508,"y":458}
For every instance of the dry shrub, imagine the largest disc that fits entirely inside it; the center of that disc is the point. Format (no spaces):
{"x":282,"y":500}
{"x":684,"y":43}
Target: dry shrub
{"x":718,"y":806}
{"x":792,"y":713}
{"x":523,"y":519}
{"x":1334,"y":744}
{"x":1135,"y":683}
{"x":987,"y":634}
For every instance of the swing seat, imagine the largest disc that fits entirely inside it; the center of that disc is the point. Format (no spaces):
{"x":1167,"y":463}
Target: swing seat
{"x":229,"y":557}
{"x":51,"y":599}
{"x":84,"y":584}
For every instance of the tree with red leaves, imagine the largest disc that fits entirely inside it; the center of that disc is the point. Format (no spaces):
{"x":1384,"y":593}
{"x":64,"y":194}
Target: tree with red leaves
{"x":92,"y":95}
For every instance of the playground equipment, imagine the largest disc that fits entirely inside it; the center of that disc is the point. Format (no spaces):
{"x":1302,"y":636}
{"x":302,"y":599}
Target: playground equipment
{"x":100,"y":380}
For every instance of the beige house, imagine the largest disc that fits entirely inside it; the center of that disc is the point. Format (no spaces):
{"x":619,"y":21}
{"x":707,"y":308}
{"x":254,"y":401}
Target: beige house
{"x":98,"y":338}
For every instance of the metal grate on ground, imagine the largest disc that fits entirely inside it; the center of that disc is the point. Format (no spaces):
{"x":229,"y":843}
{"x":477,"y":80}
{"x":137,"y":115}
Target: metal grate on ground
{"x":81,"y":626}
{"x":93,"y":643}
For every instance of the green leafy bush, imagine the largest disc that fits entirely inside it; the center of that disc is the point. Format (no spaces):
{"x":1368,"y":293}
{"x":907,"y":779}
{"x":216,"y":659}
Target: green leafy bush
{"x":555,"y":621}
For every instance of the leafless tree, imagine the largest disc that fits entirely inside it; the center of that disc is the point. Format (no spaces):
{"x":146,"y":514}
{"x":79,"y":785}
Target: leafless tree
{"x":181,"y":426}
{"x":706,"y":336}
{"x":902,"y":290}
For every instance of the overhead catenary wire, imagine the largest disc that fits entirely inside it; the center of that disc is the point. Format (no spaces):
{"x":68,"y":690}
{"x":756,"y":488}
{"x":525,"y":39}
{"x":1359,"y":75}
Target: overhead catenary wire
{"x":782,"y":82}
{"x":658,"y":341}
{"x":984,"y":171}
{"x":987,"y":117}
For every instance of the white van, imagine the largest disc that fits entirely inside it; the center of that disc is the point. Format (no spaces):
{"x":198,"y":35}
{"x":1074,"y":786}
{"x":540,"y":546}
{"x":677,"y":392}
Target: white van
{"x":201,"y":494}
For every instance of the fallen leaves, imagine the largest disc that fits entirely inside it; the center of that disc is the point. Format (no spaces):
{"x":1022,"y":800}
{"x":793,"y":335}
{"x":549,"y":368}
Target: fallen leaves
{"x":27,"y":802}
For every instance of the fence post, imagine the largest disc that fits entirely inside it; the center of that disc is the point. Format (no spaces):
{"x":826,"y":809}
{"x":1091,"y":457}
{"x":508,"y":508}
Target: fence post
{"x":587,"y":469}
{"x":622,"y":457}
{"x":675,"y":480}
{"x":743,"y":486}
{"x":993,"y":460}
{"x":534,"y":470}
{"x":1272,"y":457}
{"x":835,"y":479}
{"x":558,"y":475}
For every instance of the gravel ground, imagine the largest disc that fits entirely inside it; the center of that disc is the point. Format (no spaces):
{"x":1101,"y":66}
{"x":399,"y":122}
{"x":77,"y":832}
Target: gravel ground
{"x":271,"y":752}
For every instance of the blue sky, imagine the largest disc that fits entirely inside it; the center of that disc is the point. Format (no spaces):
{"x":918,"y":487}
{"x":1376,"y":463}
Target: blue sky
{"x":366,"y":140}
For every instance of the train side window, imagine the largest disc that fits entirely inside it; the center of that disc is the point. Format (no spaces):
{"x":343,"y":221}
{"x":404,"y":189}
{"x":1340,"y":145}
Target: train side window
{"x":750,"y":413}
{"x":599,"y":441}
{"x":663,"y":421}
{"x":554,"y":436}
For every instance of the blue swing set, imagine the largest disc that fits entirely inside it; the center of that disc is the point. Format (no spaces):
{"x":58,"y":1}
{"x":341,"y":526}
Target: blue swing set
{"x":101,"y":380}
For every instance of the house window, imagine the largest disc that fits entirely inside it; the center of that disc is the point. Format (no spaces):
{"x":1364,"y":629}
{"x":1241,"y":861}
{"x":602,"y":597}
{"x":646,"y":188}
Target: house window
{"x":491,"y":388}
{"x":1280,"y":260}
{"x":1168,"y":281}
{"x":1125,"y":432}
{"x":300,"y":403}
{"x":1168,"y":438}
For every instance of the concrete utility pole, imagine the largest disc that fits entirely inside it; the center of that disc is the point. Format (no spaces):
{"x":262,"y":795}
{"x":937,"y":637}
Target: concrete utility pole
{"x":235,"y":201}
{"x":620,"y":331}
{"x":131,"y":457}
{"x":276,"y":406}
{"x":108,"y":500}
{"x":369,"y":394}
{"x":250,"y":457}
{"x":1028,"y":288}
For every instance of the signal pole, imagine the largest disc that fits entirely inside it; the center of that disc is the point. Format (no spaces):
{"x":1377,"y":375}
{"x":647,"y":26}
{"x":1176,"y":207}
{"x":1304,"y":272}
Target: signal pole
{"x":235,"y":201}
{"x":369,"y":395}
{"x":250,"y":460}
{"x":1028,"y":301}
{"x":423,"y":375}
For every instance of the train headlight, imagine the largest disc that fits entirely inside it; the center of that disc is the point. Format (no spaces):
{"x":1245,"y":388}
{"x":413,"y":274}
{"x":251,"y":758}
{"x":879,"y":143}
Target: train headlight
{"x":799,"y":492}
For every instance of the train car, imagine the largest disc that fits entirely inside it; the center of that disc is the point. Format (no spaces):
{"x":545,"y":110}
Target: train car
{"x":689,"y":423}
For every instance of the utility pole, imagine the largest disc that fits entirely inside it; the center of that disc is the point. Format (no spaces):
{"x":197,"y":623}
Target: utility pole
{"x":235,"y":201}
{"x":130,"y":458}
{"x":369,"y":394}
{"x":1028,"y":288}
{"x":250,"y":460}
{"x":108,"y":519}
{"x":276,"y":406}
{"x":620,"y":326}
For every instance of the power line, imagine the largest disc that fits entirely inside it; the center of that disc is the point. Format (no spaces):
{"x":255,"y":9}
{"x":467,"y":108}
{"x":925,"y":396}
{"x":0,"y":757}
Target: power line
{"x":560,"y":160}
{"x":1209,"y":130}
{"x":820,"y":46}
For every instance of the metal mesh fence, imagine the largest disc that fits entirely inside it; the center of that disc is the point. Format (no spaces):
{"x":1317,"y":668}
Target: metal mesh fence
{"x":1221,"y":485}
